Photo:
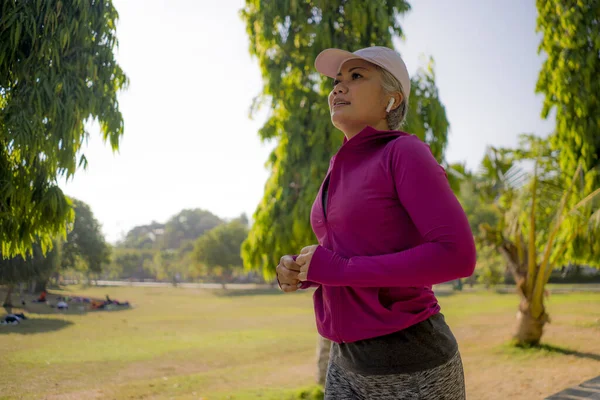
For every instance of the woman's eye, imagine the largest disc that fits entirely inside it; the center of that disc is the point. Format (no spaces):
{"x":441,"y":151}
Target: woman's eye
{"x":355,"y":75}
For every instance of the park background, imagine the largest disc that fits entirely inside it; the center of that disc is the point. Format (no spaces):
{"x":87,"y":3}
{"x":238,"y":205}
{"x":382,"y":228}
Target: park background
{"x":173,"y":170}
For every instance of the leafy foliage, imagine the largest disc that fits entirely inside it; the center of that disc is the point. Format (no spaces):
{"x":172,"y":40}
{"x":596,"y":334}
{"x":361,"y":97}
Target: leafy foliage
{"x":569,"y":81}
{"x":286,"y":37}
{"x":84,"y":250}
{"x":187,"y":225}
{"x":169,"y":251}
{"x":427,"y":115}
{"x":219,"y":249}
{"x":490,"y":266}
{"x":85,"y":247}
{"x":131,"y":263}
{"x":143,"y":236}
{"x":24,"y":269}
{"x":532,"y":234}
{"x":57,"y":71}
{"x":184,"y":226}
{"x":480,"y":210}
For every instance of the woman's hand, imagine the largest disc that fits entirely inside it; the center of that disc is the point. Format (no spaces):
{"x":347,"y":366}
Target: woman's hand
{"x":304,"y":261}
{"x":287,"y":274}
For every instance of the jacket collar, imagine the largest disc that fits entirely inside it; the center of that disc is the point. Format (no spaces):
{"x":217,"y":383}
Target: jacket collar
{"x":370,"y":136}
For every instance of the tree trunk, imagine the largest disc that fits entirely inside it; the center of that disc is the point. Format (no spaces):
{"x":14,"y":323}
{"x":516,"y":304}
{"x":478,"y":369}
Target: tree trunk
{"x":8,"y":299}
{"x":457,"y":285}
{"x":471,"y":280}
{"x":323,"y":348}
{"x":529,"y":329}
{"x":40,"y":285}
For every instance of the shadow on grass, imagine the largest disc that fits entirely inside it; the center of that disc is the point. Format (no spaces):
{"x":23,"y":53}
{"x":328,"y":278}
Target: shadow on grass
{"x":74,"y":309}
{"x":247,"y":292}
{"x":568,"y":352}
{"x":35,"y":325}
{"x":445,"y":293}
{"x":549,"y":349}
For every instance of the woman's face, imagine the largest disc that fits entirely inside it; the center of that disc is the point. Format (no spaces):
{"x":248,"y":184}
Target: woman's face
{"x":358,"y":99}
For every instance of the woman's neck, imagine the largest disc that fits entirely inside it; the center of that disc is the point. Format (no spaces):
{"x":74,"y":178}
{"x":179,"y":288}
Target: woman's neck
{"x":355,"y":130}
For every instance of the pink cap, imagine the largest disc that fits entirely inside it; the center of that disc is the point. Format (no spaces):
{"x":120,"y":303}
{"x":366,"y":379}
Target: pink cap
{"x":330,"y":61}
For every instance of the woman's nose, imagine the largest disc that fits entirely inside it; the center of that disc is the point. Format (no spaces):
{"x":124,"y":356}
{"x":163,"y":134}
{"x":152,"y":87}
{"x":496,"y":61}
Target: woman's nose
{"x":340,"y":88}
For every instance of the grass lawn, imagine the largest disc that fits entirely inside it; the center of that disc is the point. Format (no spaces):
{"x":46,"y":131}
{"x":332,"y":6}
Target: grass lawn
{"x":200,"y":344}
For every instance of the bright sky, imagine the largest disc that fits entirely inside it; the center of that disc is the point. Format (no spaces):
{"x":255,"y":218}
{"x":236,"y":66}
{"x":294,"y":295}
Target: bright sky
{"x":189,"y":142}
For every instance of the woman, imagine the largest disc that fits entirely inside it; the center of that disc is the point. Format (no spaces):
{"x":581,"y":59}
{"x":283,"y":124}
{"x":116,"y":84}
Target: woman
{"x":389,"y":227}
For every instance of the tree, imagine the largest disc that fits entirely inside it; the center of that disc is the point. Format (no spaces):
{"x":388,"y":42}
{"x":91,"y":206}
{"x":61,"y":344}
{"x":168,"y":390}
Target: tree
{"x":143,"y":236}
{"x":173,"y":265}
{"x":286,"y":37}
{"x":569,"y":81}
{"x":19,"y":269}
{"x":57,"y":71}
{"x":536,"y":227}
{"x":184,"y":226}
{"x":219,"y":249}
{"x":477,"y":208}
{"x":479,"y":211}
{"x":85,"y":248}
{"x":131,"y":264}
{"x":427,"y":115}
{"x":490,"y":265}
{"x":163,"y":265}
{"x":187,"y":225}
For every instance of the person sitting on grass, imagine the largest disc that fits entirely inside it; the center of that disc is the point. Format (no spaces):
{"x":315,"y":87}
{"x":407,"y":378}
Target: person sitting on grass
{"x":13,"y":319}
{"x":42,"y":298}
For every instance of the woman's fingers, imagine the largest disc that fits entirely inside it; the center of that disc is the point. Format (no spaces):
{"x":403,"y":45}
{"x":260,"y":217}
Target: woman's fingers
{"x":288,"y":288}
{"x":287,"y":274}
{"x":289,"y":263}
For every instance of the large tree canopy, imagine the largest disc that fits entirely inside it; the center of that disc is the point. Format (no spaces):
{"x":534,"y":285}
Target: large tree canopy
{"x":57,"y":71}
{"x":569,"y":78}
{"x":286,"y":37}
{"x":569,"y":81}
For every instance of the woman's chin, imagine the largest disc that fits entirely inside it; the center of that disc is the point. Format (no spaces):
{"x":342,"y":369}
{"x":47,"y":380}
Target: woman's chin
{"x":340,"y":121}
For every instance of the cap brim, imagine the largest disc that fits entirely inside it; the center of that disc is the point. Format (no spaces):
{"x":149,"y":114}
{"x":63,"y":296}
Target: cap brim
{"x":329,"y":61}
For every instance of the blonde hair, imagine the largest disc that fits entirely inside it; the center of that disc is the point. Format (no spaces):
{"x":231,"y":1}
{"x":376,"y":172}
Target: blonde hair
{"x":396,"y":117}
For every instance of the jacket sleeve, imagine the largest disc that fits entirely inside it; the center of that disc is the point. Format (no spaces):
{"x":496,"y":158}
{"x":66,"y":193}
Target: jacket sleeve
{"x":305,"y":284}
{"x":447,"y":251}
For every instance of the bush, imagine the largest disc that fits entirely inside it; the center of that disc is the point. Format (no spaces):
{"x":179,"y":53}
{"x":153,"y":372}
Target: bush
{"x":310,"y":393}
{"x":490,"y":266}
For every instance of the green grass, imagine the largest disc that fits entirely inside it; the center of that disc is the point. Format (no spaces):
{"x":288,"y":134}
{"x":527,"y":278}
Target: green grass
{"x":192,"y":344}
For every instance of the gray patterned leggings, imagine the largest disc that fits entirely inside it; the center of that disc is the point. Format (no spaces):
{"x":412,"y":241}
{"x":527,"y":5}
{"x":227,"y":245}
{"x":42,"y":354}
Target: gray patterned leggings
{"x":446,"y":382}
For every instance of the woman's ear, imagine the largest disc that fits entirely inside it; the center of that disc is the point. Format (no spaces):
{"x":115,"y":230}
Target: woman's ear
{"x":390,"y":104}
{"x":397,"y":100}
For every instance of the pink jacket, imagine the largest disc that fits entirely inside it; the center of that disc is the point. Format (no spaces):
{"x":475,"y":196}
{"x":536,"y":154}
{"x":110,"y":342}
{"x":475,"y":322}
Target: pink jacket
{"x":393,"y":228}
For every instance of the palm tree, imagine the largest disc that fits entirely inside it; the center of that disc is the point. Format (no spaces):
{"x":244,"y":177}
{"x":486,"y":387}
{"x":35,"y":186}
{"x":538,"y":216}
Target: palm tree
{"x":536,"y":226}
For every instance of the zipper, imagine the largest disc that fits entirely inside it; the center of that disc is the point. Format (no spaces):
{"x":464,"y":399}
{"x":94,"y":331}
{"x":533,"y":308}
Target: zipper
{"x":335,"y":290}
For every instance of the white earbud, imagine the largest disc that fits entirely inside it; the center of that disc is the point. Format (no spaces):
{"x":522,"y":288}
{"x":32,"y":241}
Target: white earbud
{"x":390,"y":104}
